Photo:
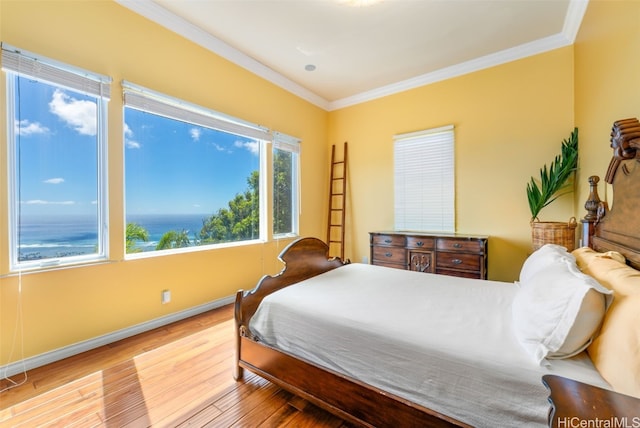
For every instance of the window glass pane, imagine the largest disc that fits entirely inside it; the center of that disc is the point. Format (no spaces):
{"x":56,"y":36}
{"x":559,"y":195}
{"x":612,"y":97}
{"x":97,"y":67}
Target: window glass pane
{"x":55,"y":194}
{"x":283,"y":192}
{"x":188,"y":185}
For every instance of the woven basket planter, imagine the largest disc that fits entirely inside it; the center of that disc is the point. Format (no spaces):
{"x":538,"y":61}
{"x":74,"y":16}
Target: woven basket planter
{"x":553,"y":232}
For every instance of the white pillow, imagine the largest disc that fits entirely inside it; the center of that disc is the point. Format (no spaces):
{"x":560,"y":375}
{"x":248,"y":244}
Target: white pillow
{"x":557,"y":311}
{"x":544,"y":257}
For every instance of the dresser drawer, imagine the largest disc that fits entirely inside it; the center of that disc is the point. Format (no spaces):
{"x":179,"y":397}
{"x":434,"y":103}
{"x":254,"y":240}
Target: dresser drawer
{"x":390,"y":265}
{"x":452,"y":244}
{"x":458,"y":261}
{"x":389,"y":255}
{"x":388,"y":240}
{"x":420,"y":242}
{"x":460,"y":273}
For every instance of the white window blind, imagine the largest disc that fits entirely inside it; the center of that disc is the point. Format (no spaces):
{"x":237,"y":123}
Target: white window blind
{"x":44,"y":69}
{"x":424,"y":180}
{"x":141,"y":98}
{"x":285,"y":142}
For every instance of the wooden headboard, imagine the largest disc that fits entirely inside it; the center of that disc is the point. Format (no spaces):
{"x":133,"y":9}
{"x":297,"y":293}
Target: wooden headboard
{"x":618,"y":228}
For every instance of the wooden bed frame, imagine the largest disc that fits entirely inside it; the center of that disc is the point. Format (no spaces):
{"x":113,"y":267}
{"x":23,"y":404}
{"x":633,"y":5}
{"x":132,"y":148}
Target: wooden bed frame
{"x":356,"y":402}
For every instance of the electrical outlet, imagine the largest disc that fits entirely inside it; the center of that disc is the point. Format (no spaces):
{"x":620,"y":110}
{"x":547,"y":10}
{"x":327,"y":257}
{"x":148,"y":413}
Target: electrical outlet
{"x":365,"y":260}
{"x":166,"y":296}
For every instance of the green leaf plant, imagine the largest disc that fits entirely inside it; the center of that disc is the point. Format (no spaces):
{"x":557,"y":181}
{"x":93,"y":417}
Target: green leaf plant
{"x":554,"y":181}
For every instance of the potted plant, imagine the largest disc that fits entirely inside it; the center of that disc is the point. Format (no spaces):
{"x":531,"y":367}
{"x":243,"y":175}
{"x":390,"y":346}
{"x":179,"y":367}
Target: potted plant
{"x":553,"y":183}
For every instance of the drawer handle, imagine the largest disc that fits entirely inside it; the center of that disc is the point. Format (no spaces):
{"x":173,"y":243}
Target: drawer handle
{"x":457,"y":245}
{"x":419,"y":243}
{"x":456,"y":261}
{"x":387,"y":241}
{"x":387,"y":254}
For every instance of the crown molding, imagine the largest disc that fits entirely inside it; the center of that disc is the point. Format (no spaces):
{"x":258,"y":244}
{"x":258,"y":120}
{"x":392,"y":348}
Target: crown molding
{"x":488,"y":61}
{"x":156,"y":13}
{"x":151,"y":10}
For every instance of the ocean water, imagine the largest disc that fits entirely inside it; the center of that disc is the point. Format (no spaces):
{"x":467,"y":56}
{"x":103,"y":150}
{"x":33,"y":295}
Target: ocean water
{"x":42,"y":237}
{"x":159,"y":224}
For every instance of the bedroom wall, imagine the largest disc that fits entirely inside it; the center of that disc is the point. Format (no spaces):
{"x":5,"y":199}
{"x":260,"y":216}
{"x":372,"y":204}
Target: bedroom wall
{"x":607,"y":82}
{"x":509,"y":120}
{"x":66,"y":306}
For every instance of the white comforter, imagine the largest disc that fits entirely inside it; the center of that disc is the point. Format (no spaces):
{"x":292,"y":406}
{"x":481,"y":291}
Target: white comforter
{"x":443,"y":342}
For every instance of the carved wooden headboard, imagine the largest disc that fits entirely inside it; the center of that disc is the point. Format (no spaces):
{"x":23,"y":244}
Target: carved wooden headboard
{"x":618,"y":228}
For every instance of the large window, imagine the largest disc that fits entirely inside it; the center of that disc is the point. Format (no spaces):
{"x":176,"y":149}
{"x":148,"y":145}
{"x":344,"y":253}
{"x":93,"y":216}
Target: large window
{"x":192,"y":175}
{"x":57,"y":166}
{"x":286,"y":151}
{"x":424,"y":180}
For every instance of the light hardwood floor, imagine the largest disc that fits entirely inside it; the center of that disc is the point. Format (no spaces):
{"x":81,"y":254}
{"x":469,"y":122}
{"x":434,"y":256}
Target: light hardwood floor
{"x":179,"y":375}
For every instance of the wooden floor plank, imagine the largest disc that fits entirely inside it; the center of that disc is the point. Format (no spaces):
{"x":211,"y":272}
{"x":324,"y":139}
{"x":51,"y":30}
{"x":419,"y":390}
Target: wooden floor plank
{"x":179,"y":375}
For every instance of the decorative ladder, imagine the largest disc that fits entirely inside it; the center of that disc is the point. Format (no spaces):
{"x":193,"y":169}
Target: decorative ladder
{"x":337,"y":202}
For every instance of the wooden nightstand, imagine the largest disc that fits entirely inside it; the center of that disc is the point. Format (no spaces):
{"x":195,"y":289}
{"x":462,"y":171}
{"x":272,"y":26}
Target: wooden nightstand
{"x":577,"y":404}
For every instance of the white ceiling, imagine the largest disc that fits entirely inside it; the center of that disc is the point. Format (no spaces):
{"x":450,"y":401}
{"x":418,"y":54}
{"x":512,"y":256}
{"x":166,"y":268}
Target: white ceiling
{"x":361,"y":53}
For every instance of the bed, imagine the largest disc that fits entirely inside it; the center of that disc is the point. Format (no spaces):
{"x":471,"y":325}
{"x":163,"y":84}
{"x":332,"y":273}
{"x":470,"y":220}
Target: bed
{"x":385,"y":347}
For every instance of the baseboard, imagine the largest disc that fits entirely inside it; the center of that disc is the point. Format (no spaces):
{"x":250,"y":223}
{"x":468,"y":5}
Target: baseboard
{"x":77,"y":348}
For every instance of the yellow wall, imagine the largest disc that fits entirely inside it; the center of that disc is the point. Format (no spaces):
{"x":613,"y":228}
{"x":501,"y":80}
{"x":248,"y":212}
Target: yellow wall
{"x":66,"y":306}
{"x":607,"y":82}
{"x":509,"y":120}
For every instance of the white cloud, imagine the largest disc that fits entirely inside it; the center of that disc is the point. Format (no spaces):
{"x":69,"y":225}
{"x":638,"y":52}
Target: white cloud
{"x":56,"y":180}
{"x":129,"y":143}
{"x":195,"y":134}
{"x":41,"y":202}
{"x":252,"y":146}
{"x":26,"y":128}
{"x":79,"y":114}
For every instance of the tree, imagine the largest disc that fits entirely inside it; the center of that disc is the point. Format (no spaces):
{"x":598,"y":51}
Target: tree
{"x":134,"y":233}
{"x":240,"y":221}
{"x":282,"y":197}
{"x":174,"y":239}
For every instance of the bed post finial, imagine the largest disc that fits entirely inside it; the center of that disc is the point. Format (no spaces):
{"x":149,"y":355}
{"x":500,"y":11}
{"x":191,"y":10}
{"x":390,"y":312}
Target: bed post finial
{"x":592,"y":205}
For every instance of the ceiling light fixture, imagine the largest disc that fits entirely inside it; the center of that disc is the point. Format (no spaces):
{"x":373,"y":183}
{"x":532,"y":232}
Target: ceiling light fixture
{"x":359,"y":3}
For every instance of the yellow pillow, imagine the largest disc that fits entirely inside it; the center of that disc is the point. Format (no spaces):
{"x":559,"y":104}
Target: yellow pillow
{"x":612,"y":273}
{"x":615,"y":351}
{"x":584,"y":255}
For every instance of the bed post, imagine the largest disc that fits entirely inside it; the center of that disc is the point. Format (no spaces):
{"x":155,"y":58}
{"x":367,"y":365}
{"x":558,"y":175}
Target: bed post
{"x":593,"y":207}
{"x":238,"y":371}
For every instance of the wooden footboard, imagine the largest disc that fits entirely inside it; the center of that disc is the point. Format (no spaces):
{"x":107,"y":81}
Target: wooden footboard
{"x":303,"y":258}
{"x":347,"y":398}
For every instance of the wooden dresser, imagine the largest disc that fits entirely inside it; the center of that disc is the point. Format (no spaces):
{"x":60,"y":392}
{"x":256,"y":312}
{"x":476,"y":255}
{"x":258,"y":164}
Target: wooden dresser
{"x":448,"y":254}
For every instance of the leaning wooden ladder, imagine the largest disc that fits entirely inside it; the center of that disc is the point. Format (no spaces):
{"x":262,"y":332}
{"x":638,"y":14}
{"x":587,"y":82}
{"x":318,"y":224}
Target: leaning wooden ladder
{"x":337,"y":203}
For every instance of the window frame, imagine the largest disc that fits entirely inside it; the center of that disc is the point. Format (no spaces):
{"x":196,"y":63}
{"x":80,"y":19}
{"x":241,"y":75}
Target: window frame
{"x":20,"y":63}
{"x":157,"y":103}
{"x":289,"y":144}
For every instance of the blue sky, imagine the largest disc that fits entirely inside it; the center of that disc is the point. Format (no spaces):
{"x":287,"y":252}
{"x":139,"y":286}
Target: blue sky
{"x":191,"y":169}
{"x":171,"y":167}
{"x":57,"y":150}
